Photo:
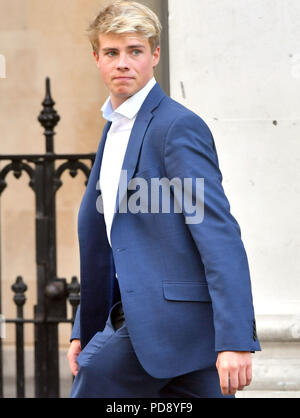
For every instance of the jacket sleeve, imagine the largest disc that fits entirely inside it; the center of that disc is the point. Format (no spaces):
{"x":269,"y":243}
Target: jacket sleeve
{"x":189,"y":152}
{"x":75,"y":335}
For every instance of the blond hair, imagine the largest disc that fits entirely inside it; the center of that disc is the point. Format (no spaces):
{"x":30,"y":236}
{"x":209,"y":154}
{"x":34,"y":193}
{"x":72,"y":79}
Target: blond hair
{"x":125,"y":16}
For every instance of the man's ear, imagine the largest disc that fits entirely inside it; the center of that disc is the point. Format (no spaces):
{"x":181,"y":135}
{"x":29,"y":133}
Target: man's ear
{"x":156,"y":56}
{"x":96,"y":56}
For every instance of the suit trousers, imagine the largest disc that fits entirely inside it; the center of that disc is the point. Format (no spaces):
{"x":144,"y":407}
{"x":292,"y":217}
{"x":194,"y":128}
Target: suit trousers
{"x":109,"y":368}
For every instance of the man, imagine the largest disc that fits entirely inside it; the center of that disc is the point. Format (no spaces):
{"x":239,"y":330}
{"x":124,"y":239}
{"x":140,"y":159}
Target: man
{"x":166,"y":305}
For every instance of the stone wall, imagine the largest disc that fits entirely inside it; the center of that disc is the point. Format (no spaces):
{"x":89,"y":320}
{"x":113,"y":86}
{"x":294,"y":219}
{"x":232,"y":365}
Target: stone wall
{"x":236,"y":64}
{"x":40,"y":39}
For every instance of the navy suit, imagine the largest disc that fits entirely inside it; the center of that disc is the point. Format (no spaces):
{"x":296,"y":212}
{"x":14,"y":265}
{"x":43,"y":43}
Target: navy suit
{"x":185,"y":287}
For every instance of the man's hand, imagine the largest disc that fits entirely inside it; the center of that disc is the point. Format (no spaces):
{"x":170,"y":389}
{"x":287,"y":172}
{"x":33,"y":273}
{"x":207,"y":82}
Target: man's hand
{"x":235,"y":370}
{"x":74,"y":351}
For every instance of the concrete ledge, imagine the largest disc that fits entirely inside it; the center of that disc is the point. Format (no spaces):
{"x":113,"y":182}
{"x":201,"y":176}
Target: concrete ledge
{"x":278,"y":328}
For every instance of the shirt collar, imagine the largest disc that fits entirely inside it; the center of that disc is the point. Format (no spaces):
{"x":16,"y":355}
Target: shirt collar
{"x":130,"y":107}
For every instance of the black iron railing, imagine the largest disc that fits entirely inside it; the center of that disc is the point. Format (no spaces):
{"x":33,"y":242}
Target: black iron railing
{"x":52,"y":292}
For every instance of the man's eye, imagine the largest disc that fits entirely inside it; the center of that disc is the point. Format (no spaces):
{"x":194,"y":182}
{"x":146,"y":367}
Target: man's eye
{"x":136,"y":52}
{"x":111,"y":53}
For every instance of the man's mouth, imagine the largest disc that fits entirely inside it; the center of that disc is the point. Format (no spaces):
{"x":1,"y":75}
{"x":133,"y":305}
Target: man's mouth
{"x":123,"y":78}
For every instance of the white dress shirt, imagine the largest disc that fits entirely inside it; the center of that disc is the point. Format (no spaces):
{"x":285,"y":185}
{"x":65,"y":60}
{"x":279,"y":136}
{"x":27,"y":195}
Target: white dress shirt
{"x":122,"y":119}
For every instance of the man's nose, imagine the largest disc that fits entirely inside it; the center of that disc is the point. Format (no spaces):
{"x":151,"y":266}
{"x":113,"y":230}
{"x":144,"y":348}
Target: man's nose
{"x":123,"y":62}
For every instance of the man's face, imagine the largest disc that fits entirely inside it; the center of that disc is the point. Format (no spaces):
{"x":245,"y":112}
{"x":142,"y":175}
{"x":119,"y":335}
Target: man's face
{"x":126,"y":64}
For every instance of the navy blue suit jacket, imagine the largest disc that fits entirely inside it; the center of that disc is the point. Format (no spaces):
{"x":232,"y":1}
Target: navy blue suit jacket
{"x":185,"y":287}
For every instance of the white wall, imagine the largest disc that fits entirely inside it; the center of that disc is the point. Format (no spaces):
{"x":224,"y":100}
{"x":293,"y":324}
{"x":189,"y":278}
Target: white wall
{"x":236,"y":63}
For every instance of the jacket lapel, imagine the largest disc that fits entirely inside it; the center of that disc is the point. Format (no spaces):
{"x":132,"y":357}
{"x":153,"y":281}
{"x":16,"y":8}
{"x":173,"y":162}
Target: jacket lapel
{"x":99,"y":155}
{"x":138,"y":132}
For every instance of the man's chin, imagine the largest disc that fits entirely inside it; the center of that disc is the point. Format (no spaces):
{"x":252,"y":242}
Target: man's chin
{"x":124,"y":94}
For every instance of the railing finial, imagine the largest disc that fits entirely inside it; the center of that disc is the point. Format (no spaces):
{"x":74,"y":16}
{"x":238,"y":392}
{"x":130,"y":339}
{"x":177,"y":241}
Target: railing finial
{"x":48,"y":117}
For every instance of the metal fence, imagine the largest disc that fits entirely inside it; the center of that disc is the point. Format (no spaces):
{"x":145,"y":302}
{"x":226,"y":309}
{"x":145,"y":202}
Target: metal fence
{"x":53,"y":293}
